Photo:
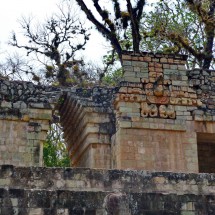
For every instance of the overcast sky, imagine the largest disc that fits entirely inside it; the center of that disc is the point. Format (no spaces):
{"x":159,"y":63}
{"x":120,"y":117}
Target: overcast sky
{"x":12,"y":10}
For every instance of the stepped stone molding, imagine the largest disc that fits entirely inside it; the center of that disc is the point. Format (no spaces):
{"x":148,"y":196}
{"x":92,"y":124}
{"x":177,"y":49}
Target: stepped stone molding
{"x":28,"y":191}
{"x":88,"y":121}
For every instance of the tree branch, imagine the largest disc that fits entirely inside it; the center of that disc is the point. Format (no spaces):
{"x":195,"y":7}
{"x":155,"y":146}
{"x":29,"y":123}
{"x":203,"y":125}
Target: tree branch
{"x":105,"y":32}
{"x":134,"y":26}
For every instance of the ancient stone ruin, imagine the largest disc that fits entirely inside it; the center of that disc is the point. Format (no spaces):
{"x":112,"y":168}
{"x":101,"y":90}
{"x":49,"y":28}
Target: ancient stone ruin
{"x":141,"y":144}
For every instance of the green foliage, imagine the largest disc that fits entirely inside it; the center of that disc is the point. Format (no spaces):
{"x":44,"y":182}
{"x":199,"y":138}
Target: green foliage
{"x":112,"y":78}
{"x":54,"y":150}
{"x":174,"y":27}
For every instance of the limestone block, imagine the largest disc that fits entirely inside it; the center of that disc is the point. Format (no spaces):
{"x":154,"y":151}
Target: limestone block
{"x":36,"y":211}
{"x":152,"y":74}
{"x":62,"y":211}
{"x":174,"y":67}
{"x":128,"y":69}
{"x":135,"y":90}
{"x":169,"y":71}
{"x":151,"y":69}
{"x":152,"y":80}
{"x":20,"y":105}
{"x":123,"y":90}
{"x":165,"y":60}
{"x":158,"y":70}
{"x":144,"y":70}
{"x":125,"y":124}
{"x":146,"y":59}
{"x":184,"y":78}
{"x":179,"y":83}
{"x":5,"y":104}
{"x":139,"y":64}
{"x":136,"y":69}
{"x":129,"y":74}
{"x":132,"y":79}
{"x":155,"y":60}
{"x":142,"y":74}
{"x":126,"y":57}
{"x":126,"y":62}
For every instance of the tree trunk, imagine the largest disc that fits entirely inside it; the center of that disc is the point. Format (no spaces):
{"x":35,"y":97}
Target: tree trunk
{"x":209,"y":29}
{"x":134,"y":28}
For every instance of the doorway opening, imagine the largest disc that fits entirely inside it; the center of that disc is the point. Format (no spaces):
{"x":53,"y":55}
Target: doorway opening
{"x":206,"y":152}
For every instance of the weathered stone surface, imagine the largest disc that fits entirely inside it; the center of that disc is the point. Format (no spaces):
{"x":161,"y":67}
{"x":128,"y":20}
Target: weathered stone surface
{"x":115,"y":127}
{"x":160,"y":118}
{"x":86,"y":191}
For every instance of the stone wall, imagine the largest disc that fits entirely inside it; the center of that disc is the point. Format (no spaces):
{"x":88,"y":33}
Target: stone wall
{"x":28,"y":191}
{"x":25,"y":113}
{"x":160,"y":117}
{"x":161,"y":108}
{"x":88,"y":123}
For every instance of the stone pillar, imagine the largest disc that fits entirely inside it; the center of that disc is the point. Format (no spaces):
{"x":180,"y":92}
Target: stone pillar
{"x":88,"y":125}
{"x":153,"y":109}
{"x":25,"y":114}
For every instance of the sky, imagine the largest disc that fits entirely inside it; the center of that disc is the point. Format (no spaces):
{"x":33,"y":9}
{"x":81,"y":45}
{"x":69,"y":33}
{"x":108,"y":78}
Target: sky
{"x":11,"y":12}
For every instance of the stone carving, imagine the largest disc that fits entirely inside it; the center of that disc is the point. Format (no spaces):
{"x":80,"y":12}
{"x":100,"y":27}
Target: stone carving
{"x":135,"y":90}
{"x":180,"y":101}
{"x":185,"y":101}
{"x":149,"y":89}
{"x":167,"y":111}
{"x":159,"y":90}
{"x":156,"y":90}
{"x":158,"y":100}
{"x":149,"y":110}
{"x":130,"y":98}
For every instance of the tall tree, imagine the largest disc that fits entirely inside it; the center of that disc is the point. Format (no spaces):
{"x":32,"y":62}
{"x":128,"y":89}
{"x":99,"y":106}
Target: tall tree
{"x":185,"y":27}
{"x":111,"y":24}
{"x":205,"y":10}
{"x":57,"y":41}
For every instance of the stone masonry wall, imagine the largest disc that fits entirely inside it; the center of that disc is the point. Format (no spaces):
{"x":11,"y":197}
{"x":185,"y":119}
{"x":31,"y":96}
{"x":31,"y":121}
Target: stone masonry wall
{"x":155,"y":119}
{"x":25,"y":113}
{"x":160,"y":110}
{"x":88,"y":124}
{"x":55,"y":191}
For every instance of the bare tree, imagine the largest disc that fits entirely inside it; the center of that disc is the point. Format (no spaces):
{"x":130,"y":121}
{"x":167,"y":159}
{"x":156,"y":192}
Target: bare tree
{"x":16,"y":67}
{"x":55,"y":43}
